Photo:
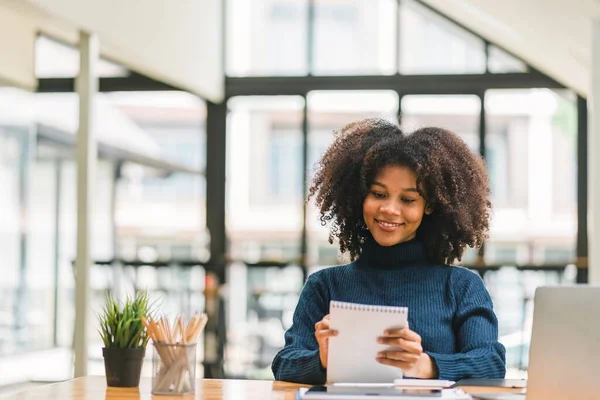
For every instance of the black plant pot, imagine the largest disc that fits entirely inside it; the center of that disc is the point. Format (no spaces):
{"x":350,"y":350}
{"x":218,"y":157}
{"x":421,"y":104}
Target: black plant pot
{"x":123,"y":366}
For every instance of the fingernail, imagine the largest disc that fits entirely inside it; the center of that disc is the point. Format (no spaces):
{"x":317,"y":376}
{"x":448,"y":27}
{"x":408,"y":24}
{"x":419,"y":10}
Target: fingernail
{"x":380,"y":354}
{"x":387,"y":333}
{"x":379,"y":340}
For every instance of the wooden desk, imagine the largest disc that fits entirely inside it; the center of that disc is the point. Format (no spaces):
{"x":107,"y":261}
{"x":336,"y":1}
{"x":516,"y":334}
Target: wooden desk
{"x":94,"y":388}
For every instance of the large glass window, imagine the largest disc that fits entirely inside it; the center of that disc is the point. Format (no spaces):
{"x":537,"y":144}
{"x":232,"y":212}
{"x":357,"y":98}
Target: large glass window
{"x":10,"y":227}
{"x":530,"y":151}
{"x":38,"y":211}
{"x":267,"y":37}
{"x":531,"y":156}
{"x":431,"y":44}
{"x":173,"y":123}
{"x":264,"y":177}
{"x":41,"y":253}
{"x":102,"y":245}
{"x":27,"y":221}
{"x":459,"y":114}
{"x":355,"y":37}
{"x":264,"y":223}
{"x":126,"y":194}
{"x":500,"y":61}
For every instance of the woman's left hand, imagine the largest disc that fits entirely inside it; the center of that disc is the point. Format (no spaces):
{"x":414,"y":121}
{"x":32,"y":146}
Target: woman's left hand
{"x":411,"y":359}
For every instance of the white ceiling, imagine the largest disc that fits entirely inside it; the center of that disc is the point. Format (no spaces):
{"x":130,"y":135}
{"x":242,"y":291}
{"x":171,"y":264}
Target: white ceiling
{"x":177,"y":44}
{"x":553,"y":36}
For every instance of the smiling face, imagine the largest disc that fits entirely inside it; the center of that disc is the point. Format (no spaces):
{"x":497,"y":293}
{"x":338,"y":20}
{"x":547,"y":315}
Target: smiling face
{"x":393,"y":209}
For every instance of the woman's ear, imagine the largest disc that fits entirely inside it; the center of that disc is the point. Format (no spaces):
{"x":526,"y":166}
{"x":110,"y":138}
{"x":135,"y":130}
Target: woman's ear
{"x":428,"y":210}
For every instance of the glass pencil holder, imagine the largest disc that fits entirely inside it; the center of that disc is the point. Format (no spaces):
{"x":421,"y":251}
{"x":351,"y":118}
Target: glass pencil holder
{"x":174,"y":368}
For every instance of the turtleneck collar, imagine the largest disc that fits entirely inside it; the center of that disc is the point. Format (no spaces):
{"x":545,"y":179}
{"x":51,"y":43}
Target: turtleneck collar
{"x":400,"y":255}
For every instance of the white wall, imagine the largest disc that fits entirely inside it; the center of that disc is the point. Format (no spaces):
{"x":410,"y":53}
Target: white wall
{"x":17,"y":43}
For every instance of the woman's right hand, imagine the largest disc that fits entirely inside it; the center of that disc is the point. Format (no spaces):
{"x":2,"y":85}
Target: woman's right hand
{"x":322,"y":334}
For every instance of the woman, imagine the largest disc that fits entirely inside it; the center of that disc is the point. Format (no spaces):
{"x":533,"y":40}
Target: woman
{"x":405,"y":207}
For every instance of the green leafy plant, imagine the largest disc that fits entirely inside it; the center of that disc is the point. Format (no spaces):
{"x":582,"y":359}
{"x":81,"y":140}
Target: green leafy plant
{"x":121,"y":324}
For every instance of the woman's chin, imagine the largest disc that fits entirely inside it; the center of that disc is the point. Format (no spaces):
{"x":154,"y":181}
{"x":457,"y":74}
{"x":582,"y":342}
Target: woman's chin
{"x":387,"y":241}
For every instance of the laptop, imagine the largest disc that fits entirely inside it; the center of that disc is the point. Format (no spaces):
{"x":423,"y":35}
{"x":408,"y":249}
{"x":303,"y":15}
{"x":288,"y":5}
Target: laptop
{"x":564,"y":357}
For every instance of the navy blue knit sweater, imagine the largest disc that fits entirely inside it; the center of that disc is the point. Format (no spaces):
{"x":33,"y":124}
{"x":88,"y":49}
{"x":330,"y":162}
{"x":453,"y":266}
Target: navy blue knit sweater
{"x":448,"y":306}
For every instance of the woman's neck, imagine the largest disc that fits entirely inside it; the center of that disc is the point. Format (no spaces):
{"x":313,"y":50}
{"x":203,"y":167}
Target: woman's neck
{"x":403,"y":254}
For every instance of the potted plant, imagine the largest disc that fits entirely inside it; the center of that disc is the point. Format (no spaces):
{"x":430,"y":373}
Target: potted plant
{"x":124,"y":338}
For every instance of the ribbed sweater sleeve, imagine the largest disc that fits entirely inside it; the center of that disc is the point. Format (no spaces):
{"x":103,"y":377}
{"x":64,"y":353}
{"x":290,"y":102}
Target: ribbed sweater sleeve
{"x":479,"y":354}
{"x":299,"y":360}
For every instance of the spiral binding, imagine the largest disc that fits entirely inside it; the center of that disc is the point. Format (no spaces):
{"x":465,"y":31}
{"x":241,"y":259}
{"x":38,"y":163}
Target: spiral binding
{"x":367,"y":307}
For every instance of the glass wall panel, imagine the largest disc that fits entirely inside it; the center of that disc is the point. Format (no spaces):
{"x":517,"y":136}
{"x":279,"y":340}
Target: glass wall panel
{"x":500,"y":61}
{"x":459,"y":114}
{"x":329,"y":112}
{"x":10,"y":227}
{"x":512,"y":292}
{"x":29,"y":175}
{"x":160,"y":215}
{"x":173,"y":122}
{"x":102,"y":249}
{"x":531,"y":156}
{"x":151,"y":210}
{"x":67,"y":251}
{"x":266,"y":37}
{"x":431,"y":44}
{"x":354,"y":37}
{"x":264,"y":223}
{"x":37,"y":168}
{"x":27,"y":221}
{"x":264,"y":181}
{"x":41,"y":254}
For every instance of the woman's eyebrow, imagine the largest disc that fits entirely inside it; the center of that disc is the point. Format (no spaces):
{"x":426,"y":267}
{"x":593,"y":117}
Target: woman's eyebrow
{"x":405,"y":190}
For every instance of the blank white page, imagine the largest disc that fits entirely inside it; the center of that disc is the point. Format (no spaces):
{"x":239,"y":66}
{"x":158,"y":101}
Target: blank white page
{"x":352,"y":353}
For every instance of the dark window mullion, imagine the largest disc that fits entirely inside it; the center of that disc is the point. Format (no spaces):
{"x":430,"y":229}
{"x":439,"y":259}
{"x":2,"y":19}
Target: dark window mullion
{"x":482,"y":137}
{"x":487,"y":57}
{"x":305,"y":177}
{"x":582,"y":191}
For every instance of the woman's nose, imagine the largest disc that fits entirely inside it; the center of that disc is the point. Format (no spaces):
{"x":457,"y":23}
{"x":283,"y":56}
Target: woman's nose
{"x":390,"y":207}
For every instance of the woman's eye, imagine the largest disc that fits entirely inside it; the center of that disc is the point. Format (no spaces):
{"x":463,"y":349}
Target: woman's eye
{"x":407,"y":200}
{"x":378,"y":195}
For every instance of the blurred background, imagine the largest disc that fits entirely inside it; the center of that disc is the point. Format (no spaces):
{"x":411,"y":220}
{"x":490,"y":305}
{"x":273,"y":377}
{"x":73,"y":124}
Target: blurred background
{"x":217,"y":221}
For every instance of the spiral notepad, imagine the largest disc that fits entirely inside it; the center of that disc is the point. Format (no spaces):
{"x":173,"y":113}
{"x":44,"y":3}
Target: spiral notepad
{"x":352,"y":353}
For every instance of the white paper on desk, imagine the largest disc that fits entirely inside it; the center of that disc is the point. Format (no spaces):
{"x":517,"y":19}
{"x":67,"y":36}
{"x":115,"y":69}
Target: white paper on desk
{"x":423,"y":383}
{"x":361,"y":385}
{"x":336,"y":392}
{"x":352,"y":353}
